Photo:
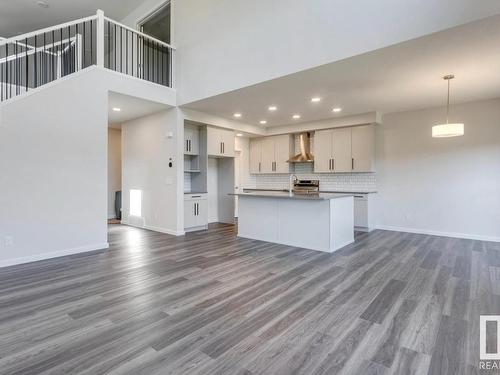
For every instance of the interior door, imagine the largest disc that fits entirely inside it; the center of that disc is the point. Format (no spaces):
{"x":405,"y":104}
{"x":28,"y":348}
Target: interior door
{"x":342,"y":157}
{"x":322,"y":151}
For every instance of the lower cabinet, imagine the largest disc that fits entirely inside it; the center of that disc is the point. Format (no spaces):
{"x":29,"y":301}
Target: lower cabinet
{"x":364,"y":212}
{"x":195,"y":212}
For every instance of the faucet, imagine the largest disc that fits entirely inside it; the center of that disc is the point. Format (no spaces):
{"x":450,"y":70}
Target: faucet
{"x":291,"y":182}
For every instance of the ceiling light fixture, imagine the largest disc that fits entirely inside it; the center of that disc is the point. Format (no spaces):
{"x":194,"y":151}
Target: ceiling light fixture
{"x":263,"y":122}
{"x":237,"y":115}
{"x":239,"y":135}
{"x":42,"y":4}
{"x":273,"y":108}
{"x":296,"y":117}
{"x":448,"y":130}
{"x":116,"y":109}
{"x":315,"y":99}
{"x":337,"y":110}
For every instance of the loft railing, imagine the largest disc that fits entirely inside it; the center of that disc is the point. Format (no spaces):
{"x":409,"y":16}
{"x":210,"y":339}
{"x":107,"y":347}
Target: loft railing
{"x":34,"y":59}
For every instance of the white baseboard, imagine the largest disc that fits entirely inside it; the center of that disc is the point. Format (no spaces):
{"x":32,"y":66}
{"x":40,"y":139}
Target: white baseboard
{"x":53,"y":254}
{"x":439,"y":233}
{"x":156,"y":229}
{"x":111,"y":217}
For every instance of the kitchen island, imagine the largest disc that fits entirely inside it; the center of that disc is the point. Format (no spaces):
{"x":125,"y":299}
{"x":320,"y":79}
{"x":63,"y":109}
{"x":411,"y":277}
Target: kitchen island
{"x":323,"y":222}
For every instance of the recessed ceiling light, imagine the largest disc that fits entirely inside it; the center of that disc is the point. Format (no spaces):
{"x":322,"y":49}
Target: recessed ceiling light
{"x":237,"y":115}
{"x":315,"y":99}
{"x":295,"y":117}
{"x":263,"y":122}
{"x":273,"y":108}
{"x":239,"y":135}
{"x":42,"y":4}
{"x":337,"y":109}
{"x":116,"y":109}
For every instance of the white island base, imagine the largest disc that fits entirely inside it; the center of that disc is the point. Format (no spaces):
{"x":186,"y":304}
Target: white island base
{"x":324,"y":224}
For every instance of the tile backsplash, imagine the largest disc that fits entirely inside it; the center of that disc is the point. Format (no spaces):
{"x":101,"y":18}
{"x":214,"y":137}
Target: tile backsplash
{"x":327,"y":181}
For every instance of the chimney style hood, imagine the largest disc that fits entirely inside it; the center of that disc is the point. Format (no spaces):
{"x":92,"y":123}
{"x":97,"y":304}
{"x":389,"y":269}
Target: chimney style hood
{"x":305,"y":155}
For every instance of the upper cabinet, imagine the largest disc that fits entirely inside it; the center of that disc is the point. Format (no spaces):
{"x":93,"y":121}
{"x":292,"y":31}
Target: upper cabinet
{"x":270,"y":154}
{"x":345,"y":150}
{"x":220,"y":142}
{"x":191,"y":140}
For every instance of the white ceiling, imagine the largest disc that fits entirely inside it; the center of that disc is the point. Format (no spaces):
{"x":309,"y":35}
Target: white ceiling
{"x":131,"y":108}
{"x":22,"y":16}
{"x":401,"y":77}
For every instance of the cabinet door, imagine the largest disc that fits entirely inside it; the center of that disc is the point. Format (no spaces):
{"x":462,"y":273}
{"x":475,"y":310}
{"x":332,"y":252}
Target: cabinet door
{"x":322,"y":151}
{"x":202,"y":213}
{"x":189,"y":214}
{"x":282,"y":152}
{"x":341,"y":150}
{"x":214,"y":142}
{"x":363,"y":148}
{"x":267,"y":164}
{"x":227,"y":142}
{"x":191,"y":140}
{"x":255,"y":155}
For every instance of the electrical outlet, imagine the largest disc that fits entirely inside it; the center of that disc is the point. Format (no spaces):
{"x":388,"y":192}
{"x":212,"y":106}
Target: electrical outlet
{"x":8,"y":241}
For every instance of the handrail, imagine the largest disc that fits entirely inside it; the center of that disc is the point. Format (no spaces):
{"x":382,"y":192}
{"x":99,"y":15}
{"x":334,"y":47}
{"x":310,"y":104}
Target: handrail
{"x":140,"y":33}
{"x":46,"y":30}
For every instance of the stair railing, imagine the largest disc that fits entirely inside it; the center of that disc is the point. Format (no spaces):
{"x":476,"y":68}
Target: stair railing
{"x":34,"y":59}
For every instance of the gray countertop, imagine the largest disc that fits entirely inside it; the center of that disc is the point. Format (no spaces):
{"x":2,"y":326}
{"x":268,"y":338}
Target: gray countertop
{"x":286,"y":195}
{"x":321,"y":191}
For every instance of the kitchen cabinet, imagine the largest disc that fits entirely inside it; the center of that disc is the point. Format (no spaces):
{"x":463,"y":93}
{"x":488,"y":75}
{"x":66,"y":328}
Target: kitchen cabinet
{"x":255,"y":155}
{"x":363,"y":148}
{"x":220,"y":142}
{"x":191,"y":140}
{"x":270,"y":154}
{"x":195,"y":212}
{"x":364,"y":212}
{"x":345,"y":150}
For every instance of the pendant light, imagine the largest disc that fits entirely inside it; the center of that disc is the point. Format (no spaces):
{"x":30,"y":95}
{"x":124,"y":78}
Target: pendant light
{"x":448,"y":130}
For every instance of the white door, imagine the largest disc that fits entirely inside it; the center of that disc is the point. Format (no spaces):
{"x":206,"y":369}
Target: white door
{"x":189,"y":214}
{"x":267,"y":165}
{"x":342,"y":159}
{"x":227,"y":142}
{"x":237,"y":179}
{"x":363,"y":148}
{"x":214,"y":142}
{"x":322,"y":151}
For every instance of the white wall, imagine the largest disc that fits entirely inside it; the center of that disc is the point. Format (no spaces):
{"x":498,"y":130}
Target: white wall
{"x":53,"y":165}
{"x":448,"y":186}
{"x":114,"y":168}
{"x":224,"y":45}
{"x":146,"y":153}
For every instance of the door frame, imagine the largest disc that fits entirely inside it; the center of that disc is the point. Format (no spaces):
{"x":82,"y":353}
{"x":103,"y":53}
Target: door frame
{"x":152,"y":13}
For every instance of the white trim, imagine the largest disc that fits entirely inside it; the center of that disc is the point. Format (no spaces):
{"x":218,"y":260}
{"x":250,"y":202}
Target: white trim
{"x":439,"y":233}
{"x":53,"y":254}
{"x":140,"y":33}
{"x":155,"y":229}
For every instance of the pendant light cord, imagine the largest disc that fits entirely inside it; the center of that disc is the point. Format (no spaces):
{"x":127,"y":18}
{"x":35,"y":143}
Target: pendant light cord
{"x":448,"y":103}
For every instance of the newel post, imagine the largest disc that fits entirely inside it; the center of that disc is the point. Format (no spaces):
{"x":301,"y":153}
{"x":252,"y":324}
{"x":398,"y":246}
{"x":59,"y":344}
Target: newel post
{"x":100,"y":38}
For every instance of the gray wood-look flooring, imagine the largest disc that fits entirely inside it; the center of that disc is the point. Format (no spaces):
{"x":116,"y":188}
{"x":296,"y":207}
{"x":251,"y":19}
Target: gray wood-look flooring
{"x":211,"y":303}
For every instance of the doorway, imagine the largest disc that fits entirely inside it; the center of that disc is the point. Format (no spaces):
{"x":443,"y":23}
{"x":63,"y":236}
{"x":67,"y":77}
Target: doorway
{"x":158,"y":24}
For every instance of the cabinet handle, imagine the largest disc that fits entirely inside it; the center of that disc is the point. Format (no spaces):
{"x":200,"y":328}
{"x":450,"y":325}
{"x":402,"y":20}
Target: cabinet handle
{"x":195,"y":196}
{"x":259,"y":166}
{"x":187,"y":148}
{"x":333,"y":164}
{"x":194,"y":209}
{"x":190,"y":148}
{"x":352,"y":163}
{"x":223,"y":148}
{"x":197,"y":209}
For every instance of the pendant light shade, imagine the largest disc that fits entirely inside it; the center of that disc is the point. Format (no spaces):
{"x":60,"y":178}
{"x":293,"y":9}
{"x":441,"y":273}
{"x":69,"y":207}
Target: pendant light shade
{"x":448,"y":130}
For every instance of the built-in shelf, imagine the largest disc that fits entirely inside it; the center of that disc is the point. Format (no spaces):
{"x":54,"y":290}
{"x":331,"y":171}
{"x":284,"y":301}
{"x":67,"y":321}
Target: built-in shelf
{"x":192,"y":171}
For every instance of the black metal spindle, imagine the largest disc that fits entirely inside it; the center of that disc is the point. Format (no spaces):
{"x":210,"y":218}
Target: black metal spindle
{"x":132,"y":45}
{"x":109,"y":45}
{"x":121,"y":49}
{"x":116,"y":44}
{"x":92,"y":42}
{"x":126,"y":51}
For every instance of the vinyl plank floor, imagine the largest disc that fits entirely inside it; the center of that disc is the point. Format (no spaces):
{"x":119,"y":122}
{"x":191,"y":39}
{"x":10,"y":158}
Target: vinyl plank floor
{"x":212,"y":303}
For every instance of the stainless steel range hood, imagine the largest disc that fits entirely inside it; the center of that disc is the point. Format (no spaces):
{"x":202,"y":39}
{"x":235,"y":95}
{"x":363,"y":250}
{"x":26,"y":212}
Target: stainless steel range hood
{"x":305,"y":155}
